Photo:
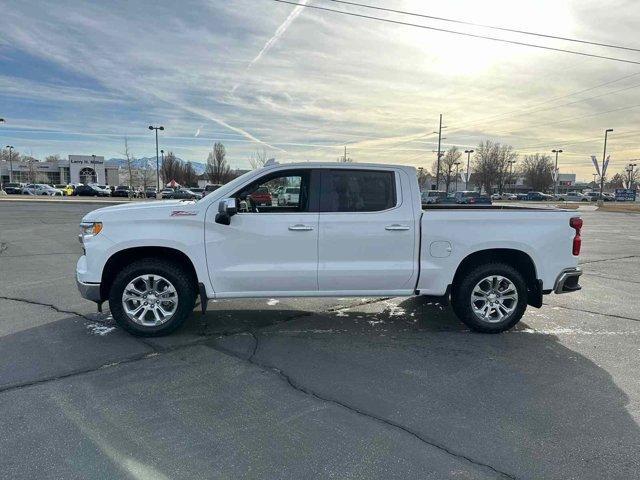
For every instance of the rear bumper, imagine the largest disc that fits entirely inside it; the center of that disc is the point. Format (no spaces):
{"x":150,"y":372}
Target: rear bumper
{"x":567,"y":281}
{"x":90,"y":291}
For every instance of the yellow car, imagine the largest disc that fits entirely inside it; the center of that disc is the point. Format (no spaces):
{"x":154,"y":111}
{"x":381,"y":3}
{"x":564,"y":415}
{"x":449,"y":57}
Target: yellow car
{"x":67,"y":190}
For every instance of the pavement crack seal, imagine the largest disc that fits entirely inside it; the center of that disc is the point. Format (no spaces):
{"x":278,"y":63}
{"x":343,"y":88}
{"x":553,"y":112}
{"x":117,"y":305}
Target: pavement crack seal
{"x":593,"y":312}
{"x":608,"y":259}
{"x":49,"y":305}
{"x":385,"y":421}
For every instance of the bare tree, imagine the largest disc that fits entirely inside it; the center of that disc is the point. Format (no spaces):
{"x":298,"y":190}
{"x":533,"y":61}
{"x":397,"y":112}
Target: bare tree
{"x":491,"y":165}
{"x":448,"y":166}
{"x":189,"y":176}
{"x":146,"y":176}
{"x":32,"y":168}
{"x":537,"y":170}
{"x":171,"y":169}
{"x":129,"y":159}
{"x":218,"y":170}
{"x":424,"y":179}
{"x":52,"y":158}
{"x":258,"y":159}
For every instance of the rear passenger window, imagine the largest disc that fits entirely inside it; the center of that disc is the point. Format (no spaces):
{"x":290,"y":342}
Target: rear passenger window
{"x":357,"y":191}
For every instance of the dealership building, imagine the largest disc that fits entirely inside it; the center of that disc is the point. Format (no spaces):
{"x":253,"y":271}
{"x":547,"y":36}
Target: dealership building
{"x":76,"y":169}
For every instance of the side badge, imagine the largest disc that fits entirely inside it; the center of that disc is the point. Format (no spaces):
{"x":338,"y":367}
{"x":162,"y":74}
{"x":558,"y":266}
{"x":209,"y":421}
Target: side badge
{"x":182,"y":213}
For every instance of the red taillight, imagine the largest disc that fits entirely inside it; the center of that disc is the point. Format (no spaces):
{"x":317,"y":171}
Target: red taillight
{"x":576,"y":224}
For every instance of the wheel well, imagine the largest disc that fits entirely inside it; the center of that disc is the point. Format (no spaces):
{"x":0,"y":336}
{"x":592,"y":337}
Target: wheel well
{"x":124,"y":257}
{"x":516,"y":258}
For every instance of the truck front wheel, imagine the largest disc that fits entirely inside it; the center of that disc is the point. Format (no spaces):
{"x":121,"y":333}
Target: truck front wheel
{"x":490,"y":298}
{"x":151,"y":297}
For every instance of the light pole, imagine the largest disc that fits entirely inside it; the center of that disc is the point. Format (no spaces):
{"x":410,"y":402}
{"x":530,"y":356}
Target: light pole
{"x":439,"y":132}
{"x":513,"y":188}
{"x":556,"y":173}
{"x":457,"y":164}
{"x":468,"y":152}
{"x":10,"y":147}
{"x":630,"y":170}
{"x":604,"y":155}
{"x":151,"y":127}
{"x":594,"y":180}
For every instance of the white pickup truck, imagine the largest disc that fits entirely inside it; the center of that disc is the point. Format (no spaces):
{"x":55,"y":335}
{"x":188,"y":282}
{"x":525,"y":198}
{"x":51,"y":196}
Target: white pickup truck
{"x":355,"y":230}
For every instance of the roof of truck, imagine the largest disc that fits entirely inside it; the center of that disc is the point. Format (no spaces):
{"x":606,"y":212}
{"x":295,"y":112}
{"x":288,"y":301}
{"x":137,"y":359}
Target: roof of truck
{"x":355,"y":165}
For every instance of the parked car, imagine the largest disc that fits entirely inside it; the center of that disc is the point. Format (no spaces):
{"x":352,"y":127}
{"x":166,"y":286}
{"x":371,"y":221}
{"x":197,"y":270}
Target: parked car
{"x":538,"y":197}
{"x":572,"y":197}
{"x":595,"y":196}
{"x":197,"y":190}
{"x":166,"y":193}
{"x":261,"y":197}
{"x":448,"y":200}
{"x":13,"y":188}
{"x":90,"y":191}
{"x":521,"y":196}
{"x":472,"y":198}
{"x":104,"y":188}
{"x":211,"y":188}
{"x":288,"y":196}
{"x":67,"y":190}
{"x":152,"y":271}
{"x":182,"y":194}
{"x":149,"y":192}
{"x":432,"y":196}
{"x":41,"y":189}
{"x":123,"y":191}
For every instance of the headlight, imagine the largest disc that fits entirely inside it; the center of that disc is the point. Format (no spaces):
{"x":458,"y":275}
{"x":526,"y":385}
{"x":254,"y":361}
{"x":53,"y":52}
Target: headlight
{"x":89,"y":229}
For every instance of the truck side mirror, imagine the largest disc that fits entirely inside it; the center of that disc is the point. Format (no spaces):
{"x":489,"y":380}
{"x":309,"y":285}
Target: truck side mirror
{"x":227,"y":208}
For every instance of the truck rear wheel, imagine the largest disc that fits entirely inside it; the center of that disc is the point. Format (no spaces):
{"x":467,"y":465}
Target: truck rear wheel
{"x":490,"y":298}
{"x":151,"y":297}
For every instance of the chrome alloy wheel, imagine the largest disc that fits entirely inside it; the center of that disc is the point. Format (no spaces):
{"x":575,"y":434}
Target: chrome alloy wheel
{"x":494,"y":298}
{"x":150,"y":300}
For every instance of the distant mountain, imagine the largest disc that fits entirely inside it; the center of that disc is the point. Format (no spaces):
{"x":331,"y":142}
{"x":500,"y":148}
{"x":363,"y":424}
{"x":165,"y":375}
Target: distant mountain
{"x":150,"y":162}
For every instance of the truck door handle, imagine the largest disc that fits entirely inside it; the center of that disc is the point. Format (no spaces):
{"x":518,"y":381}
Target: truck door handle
{"x":397,"y":226}
{"x":299,"y":227}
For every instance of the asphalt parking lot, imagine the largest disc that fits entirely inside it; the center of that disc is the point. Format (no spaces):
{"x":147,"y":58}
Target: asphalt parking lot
{"x":331,"y":388}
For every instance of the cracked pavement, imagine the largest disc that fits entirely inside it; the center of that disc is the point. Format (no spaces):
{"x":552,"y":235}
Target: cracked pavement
{"x":315,"y":388}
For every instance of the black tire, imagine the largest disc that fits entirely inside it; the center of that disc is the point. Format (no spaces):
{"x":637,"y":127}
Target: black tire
{"x":174,"y":273}
{"x":461,"y":297}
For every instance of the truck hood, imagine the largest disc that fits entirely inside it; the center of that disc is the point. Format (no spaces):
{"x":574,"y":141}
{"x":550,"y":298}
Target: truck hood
{"x":141,"y":210}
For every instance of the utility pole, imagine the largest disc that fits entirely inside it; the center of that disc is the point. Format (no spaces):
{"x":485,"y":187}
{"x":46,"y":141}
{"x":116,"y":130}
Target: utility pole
{"x":10,"y":147}
{"x":457,"y":164}
{"x":151,"y":127}
{"x":556,"y":173}
{"x":513,"y":180}
{"x":594,"y":180}
{"x":604,"y":155}
{"x":468,"y":152}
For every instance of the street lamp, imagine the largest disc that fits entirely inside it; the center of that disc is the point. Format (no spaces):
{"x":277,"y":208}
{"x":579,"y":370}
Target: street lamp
{"x":10,"y":147}
{"x":468,"y":152}
{"x":556,"y":174}
{"x":457,"y":164}
{"x":594,"y":180}
{"x":604,"y":155}
{"x":630,"y":169}
{"x":511,"y":162}
{"x":151,"y":127}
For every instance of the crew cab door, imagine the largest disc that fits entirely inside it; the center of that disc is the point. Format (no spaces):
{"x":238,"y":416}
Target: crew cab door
{"x":367,"y":240}
{"x":267,"y":249}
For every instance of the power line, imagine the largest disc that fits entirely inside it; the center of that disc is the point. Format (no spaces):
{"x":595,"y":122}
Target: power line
{"x":485,"y":37}
{"x":482,"y":25}
{"x":478,"y":121}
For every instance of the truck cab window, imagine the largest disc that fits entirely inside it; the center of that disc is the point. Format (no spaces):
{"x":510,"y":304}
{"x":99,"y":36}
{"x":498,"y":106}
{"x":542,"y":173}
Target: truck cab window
{"x":357,"y":191}
{"x":280,"y":192}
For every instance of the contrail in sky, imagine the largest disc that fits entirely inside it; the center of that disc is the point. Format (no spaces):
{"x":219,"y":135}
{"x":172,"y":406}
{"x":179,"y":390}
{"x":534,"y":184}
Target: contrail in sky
{"x":276,"y":36}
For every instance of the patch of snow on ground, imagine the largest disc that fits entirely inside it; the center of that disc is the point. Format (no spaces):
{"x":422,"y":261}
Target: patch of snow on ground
{"x":373,"y":323}
{"x":272,"y":302}
{"x":99,"y":329}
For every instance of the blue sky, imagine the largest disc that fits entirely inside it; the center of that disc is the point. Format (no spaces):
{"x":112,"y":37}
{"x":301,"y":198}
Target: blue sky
{"x":76,"y":77}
